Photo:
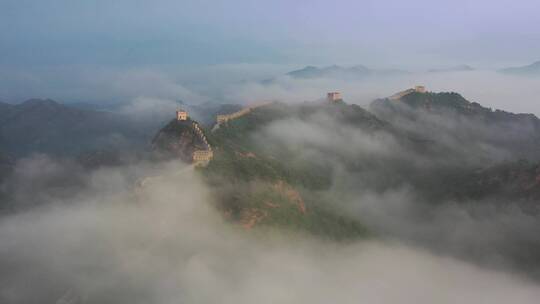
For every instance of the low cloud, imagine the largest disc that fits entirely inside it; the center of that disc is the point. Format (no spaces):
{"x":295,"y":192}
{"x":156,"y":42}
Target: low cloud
{"x":148,"y":110}
{"x":94,"y":84}
{"x":318,"y":132}
{"x":243,"y":83}
{"x":165,"y":243}
{"x":489,"y":88}
{"x":105,"y":240}
{"x":379,"y":180}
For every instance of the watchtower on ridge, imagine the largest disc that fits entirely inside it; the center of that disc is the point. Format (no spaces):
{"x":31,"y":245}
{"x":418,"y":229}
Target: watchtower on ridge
{"x":420,"y":89}
{"x":333,"y":97}
{"x":181,"y":114}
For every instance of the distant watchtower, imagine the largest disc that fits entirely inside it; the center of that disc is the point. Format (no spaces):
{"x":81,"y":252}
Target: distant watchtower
{"x":181,"y":115}
{"x":420,"y":89}
{"x":333,"y":97}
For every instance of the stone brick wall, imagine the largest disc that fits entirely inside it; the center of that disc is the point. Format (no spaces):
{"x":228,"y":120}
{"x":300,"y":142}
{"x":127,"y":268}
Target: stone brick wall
{"x":202,"y":157}
{"x":397,"y":96}
{"x":226,"y":117}
{"x":222,"y":118}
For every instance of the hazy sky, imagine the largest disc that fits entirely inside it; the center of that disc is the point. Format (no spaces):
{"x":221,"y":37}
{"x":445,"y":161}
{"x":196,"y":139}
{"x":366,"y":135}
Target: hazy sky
{"x":388,"y":33}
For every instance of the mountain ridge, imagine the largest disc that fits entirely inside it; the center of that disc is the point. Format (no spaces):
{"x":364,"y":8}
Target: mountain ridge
{"x":44,"y":125}
{"x":532,"y":69}
{"x":336,"y":71}
{"x":513,"y":135}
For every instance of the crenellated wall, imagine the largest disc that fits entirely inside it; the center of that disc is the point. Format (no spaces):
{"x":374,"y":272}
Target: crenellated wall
{"x":226,"y":117}
{"x":202,"y":157}
{"x":399,"y":95}
{"x":222,"y":118}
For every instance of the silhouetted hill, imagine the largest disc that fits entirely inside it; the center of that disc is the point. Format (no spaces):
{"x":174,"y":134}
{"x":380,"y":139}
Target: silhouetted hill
{"x":44,"y":125}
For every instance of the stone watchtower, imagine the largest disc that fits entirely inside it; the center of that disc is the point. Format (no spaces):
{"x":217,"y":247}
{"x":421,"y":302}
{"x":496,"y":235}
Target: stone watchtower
{"x":420,"y":89}
{"x":181,"y":115}
{"x":333,"y":97}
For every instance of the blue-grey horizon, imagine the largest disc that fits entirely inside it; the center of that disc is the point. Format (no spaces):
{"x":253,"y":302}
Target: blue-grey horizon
{"x":388,"y":33}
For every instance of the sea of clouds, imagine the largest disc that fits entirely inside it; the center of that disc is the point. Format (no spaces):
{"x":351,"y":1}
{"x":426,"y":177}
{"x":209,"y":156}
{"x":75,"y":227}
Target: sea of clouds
{"x":113,"y":242}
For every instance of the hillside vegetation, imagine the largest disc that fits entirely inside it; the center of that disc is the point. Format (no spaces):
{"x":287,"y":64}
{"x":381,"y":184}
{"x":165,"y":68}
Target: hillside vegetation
{"x":266,"y":185}
{"x":465,"y":129}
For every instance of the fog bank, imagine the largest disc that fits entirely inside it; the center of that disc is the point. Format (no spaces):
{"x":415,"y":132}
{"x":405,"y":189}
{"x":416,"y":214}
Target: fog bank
{"x":244,"y":83}
{"x":165,"y":243}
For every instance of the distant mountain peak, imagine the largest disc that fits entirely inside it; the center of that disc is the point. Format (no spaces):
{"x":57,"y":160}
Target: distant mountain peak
{"x":532,"y":69}
{"x":337,"y":71}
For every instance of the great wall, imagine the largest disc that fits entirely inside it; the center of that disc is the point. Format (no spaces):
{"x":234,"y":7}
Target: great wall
{"x":399,"y":95}
{"x":202,"y":157}
{"x":223,"y":118}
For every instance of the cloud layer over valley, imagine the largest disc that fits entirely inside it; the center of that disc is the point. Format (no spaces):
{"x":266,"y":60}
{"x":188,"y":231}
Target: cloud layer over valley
{"x":240,"y":152}
{"x":165,"y":243}
{"x":243,"y":83}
